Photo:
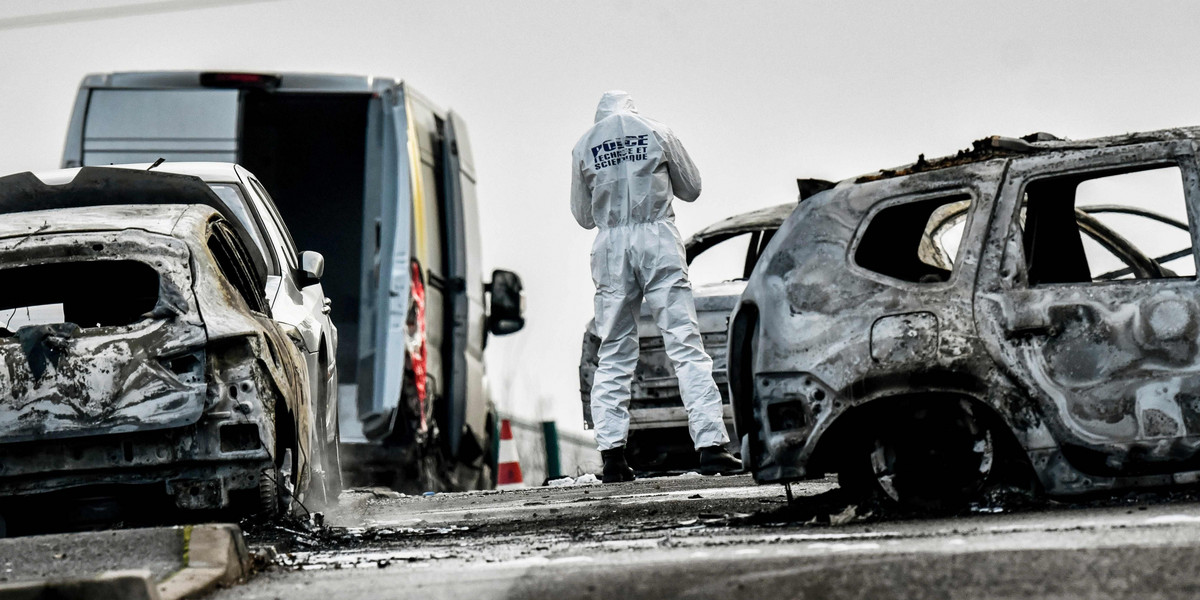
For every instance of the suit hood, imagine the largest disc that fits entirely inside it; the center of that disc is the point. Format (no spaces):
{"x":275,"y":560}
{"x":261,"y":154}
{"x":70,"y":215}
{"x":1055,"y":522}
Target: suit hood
{"x":614,"y":102}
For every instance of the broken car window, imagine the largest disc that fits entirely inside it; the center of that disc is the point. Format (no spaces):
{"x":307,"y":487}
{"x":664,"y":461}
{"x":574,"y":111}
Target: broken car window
{"x":231,"y":195}
{"x":235,"y":266}
{"x":915,"y":241}
{"x":66,"y":292}
{"x":1094,"y":227}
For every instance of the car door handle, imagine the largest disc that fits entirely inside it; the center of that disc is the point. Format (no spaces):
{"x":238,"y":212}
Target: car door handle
{"x":1022,"y":315}
{"x":1032,"y":320}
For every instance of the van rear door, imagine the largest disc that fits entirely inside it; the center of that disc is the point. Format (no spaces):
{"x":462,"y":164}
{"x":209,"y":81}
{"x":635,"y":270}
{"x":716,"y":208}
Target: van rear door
{"x":142,"y":125}
{"x":390,"y":309}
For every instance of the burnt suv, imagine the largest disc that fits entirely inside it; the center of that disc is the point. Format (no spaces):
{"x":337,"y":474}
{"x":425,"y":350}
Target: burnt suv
{"x":1025,"y":311}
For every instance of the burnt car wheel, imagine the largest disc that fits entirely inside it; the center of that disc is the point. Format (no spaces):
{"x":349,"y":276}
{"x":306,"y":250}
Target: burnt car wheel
{"x":931,"y":456}
{"x":268,"y":493}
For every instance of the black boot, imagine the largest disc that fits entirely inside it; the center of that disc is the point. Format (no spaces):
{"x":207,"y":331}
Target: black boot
{"x":615,"y":467}
{"x":715,"y":460}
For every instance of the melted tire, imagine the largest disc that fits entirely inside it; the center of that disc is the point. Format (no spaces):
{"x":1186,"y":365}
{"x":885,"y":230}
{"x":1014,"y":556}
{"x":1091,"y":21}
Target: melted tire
{"x":925,"y":457}
{"x":268,"y":493}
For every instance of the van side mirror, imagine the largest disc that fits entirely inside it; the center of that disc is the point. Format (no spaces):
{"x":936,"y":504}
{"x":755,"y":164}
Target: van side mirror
{"x":312,"y":267}
{"x":507,"y":314}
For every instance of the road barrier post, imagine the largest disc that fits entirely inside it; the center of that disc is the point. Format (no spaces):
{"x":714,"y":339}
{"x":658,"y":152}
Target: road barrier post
{"x":553,"y":464}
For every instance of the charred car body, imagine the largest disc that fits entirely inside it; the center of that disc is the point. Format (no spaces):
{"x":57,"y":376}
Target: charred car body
{"x":927,"y":330}
{"x":658,"y":425}
{"x":137,"y":355}
{"x":293,"y":292}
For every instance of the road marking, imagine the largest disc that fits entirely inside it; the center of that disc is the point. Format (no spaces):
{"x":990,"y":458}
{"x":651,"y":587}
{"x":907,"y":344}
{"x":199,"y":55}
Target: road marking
{"x":812,"y":537}
{"x":571,"y":559}
{"x":843,"y":547}
{"x":1172,"y":520}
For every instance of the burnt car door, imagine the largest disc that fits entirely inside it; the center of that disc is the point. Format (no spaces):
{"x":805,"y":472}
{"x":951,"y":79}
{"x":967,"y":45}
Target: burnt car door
{"x":1095,"y":317}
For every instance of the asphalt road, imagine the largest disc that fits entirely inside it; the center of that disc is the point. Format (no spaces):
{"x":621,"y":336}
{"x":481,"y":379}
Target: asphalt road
{"x":692,"y":537}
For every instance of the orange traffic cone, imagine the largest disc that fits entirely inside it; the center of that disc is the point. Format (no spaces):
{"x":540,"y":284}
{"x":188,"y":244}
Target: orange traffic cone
{"x":509,"y":475}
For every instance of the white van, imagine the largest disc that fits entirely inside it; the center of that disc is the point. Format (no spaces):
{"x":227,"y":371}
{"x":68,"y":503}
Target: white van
{"x":373,"y":176}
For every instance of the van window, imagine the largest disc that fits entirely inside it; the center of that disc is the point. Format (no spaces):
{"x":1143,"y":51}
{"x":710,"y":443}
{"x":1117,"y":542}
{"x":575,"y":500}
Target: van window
{"x":131,"y":126}
{"x":915,"y":241}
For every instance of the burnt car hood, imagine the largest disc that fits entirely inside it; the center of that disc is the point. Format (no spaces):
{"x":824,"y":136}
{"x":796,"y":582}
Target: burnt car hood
{"x":718,"y":296}
{"x":64,"y":380}
{"x":714,"y":302}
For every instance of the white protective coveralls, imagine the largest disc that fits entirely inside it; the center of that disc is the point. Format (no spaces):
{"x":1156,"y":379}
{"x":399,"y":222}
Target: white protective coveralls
{"x":626,"y":170}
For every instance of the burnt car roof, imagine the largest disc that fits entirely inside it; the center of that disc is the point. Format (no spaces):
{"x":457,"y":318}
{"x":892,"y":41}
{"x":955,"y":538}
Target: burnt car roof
{"x":154,"y":219}
{"x":106,"y":186}
{"x":763,"y":218}
{"x":1028,"y":145}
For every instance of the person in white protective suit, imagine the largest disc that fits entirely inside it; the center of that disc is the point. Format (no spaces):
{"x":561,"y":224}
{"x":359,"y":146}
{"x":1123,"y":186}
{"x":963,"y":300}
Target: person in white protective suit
{"x":626,"y":170}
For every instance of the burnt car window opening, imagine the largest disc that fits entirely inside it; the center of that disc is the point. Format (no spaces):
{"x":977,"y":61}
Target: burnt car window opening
{"x":915,"y":241}
{"x":752,"y":259}
{"x":726,"y":260}
{"x":66,"y":292}
{"x":231,"y":195}
{"x":234,"y":266}
{"x":1072,"y":233}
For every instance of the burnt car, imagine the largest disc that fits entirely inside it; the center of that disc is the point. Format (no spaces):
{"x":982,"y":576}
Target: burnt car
{"x":658,"y":425}
{"x":139,"y":363}
{"x":1025,"y":312}
{"x":294,"y":292}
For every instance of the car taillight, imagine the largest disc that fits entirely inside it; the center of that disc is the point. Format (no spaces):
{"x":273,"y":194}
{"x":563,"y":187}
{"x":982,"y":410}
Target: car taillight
{"x":417,"y":347}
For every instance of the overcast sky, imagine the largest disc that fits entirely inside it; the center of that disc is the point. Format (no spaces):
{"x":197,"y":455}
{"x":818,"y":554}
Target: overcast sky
{"x":760,"y":92}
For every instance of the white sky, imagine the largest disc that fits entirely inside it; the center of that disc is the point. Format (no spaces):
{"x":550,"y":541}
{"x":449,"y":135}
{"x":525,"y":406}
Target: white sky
{"x":760,"y":92}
